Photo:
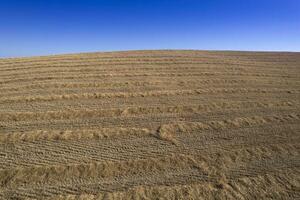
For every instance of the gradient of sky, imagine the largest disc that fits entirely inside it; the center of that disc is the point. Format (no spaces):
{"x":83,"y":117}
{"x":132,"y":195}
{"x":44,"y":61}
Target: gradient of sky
{"x":42,"y":27}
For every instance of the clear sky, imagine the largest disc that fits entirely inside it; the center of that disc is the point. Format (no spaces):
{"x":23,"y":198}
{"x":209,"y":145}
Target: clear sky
{"x":42,"y":27}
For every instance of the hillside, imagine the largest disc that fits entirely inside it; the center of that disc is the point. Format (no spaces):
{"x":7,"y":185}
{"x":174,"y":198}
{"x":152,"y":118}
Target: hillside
{"x":150,"y":125}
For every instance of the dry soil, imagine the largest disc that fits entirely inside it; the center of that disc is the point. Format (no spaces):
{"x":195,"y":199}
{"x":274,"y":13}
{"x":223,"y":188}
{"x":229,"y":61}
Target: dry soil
{"x":150,"y":125}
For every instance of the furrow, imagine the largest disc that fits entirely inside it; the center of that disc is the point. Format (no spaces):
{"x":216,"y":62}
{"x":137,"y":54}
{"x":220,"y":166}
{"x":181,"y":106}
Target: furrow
{"x":126,"y":61}
{"x":108,"y":185}
{"x":148,"y":146}
{"x":138,"y":121}
{"x":131,"y":84}
{"x":163,"y":74}
{"x":72,"y":134}
{"x":99,"y":69}
{"x":143,"y":94}
{"x":186,"y":127}
{"x":88,"y":113}
{"x":60,"y":173}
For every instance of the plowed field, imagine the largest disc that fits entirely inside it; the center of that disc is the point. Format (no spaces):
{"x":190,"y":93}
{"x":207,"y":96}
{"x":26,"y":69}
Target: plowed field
{"x":150,"y":125}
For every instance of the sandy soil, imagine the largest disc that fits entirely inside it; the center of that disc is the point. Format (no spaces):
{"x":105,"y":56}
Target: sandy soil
{"x":151,"y":125}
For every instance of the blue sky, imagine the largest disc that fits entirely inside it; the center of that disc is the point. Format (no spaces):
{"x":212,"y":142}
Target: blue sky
{"x":42,"y":27}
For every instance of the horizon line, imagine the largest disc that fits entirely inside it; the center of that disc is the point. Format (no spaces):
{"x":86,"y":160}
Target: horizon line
{"x":133,"y":50}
